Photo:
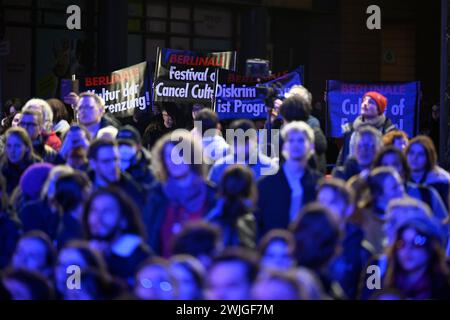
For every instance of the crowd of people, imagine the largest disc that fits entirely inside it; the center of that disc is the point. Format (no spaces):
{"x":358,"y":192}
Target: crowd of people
{"x":99,"y":208}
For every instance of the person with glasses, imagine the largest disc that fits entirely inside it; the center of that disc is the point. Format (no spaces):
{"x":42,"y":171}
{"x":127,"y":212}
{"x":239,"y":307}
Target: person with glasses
{"x":32,"y":122}
{"x":75,"y":147}
{"x":416,"y":261}
{"x":154,"y":281}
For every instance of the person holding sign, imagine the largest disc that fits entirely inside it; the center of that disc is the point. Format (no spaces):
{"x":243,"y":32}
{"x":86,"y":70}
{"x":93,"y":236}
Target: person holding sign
{"x":373,"y":106}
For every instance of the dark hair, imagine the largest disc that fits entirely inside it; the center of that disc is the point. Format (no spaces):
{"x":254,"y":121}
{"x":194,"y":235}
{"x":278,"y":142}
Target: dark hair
{"x":317,"y":236}
{"x":13,"y":102}
{"x":71,"y":190}
{"x":428,"y":146}
{"x":128,"y":210}
{"x":38,"y":285}
{"x":295,"y":108}
{"x":243,"y":124}
{"x":237,"y":184}
{"x":392,"y":150}
{"x":208,"y":119}
{"x":390,"y":137}
{"x":93,"y":259}
{"x":193,"y":266}
{"x":100,"y":285}
{"x":3,"y":195}
{"x":241,"y":255}
{"x":338,"y":186}
{"x":50,"y":254}
{"x":437,"y":267}
{"x":197,"y":238}
{"x":277,"y":235}
{"x":59,"y":110}
{"x":77,"y":126}
{"x":97,"y":144}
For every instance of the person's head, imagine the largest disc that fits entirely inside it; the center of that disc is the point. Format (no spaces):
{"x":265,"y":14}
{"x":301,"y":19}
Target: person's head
{"x":392,"y":157}
{"x":421,"y":154}
{"x":25,"y":284}
{"x":208,"y":120}
{"x":43,"y":108}
{"x":78,"y":137}
{"x":34,"y":251}
{"x":71,"y":191}
{"x":302,"y":92}
{"x":317,"y":235}
{"x":276,"y":250}
{"x":129,"y":140}
{"x":110,"y":213}
{"x":238,"y":188}
{"x":16,"y":120}
{"x":338,"y":197}
{"x":76,"y":253}
{"x":169,"y":110}
{"x":177,"y":155}
{"x":154,"y":280}
{"x":18,"y":145}
{"x":295,"y":108}
{"x":32,"y":122}
{"x":189,"y":274}
{"x":385,"y":184}
{"x":90,"y":109}
{"x":12,"y":106}
{"x":373,"y":105}
{"x":95,"y":285}
{"x":276,"y":285}
{"x":396,"y":138}
{"x":59,"y":110}
{"x":244,"y":137}
{"x":399,"y":211}
{"x":231,"y":275}
{"x":298,"y":140}
{"x":365,"y":143}
{"x":199,"y":239}
{"x":104,"y":159}
{"x":196,"y":108}
{"x":49,"y":187}
{"x":418,"y":248}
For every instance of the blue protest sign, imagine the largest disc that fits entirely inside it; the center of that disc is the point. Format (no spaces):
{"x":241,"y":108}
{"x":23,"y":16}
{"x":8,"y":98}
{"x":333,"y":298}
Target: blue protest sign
{"x":344,"y":101}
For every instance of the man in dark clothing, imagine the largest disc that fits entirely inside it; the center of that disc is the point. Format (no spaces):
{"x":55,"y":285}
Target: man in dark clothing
{"x":373,"y":107}
{"x":281,"y":196}
{"x":134,"y":158}
{"x":104,"y":162}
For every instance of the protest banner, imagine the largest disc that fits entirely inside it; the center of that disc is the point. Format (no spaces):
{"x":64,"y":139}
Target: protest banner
{"x":243,"y":97}
{"x":124,"y":91}
{"x":344,"y":104}
{"x":188,"y":77}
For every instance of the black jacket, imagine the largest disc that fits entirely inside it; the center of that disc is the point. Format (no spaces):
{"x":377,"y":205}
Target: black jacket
{"x":155,"y":211}
{"x":140,"y":171}
{"x":9,"y":235}
{"x":13,"y":172}
{"x":348,"y":170}
{"x":274,"y":199}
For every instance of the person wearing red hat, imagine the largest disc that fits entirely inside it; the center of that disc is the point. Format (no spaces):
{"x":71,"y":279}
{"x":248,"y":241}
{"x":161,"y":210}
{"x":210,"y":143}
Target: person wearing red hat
{"x":373,"y":107}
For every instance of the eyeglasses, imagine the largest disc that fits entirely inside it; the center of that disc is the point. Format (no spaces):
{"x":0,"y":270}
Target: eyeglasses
{"x":419,"y":241}
{"x":162,"y":285}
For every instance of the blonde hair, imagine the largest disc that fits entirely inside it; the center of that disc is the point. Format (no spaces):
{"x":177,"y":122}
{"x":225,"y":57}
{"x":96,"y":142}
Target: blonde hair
{"x":298,"y":126}
{"x":46,"y":111}
{"x":194,"y":158}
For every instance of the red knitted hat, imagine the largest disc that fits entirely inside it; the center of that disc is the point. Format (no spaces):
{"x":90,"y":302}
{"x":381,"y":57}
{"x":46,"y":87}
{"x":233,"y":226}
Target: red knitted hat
{"x":379,"y":99}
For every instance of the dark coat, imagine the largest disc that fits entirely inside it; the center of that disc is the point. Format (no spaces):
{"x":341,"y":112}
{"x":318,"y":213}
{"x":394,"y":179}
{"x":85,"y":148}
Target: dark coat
{"x":141,"y":172}
{"x":155,"y":211}
{"x":348,"y":170}
{"x":274,"y":199}
{"x":13,"y":172}
{"x":9,"y":235}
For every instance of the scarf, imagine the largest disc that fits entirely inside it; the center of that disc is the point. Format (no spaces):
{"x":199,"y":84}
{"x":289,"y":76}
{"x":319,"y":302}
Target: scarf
{"x":377,"y":122}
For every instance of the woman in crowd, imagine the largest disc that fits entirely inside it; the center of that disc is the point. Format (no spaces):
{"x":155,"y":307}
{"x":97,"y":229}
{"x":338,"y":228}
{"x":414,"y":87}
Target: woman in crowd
{"x":113,"y":226}
{"x":35,"y":252}
{"x":17,"y":158}
{"x":181,"y":194}
{"x":396,"y":138}
{"x":416,"y":261}
{"x":422,"y":160}
{"x":234,"y":210}
{"x":393,"y":157}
